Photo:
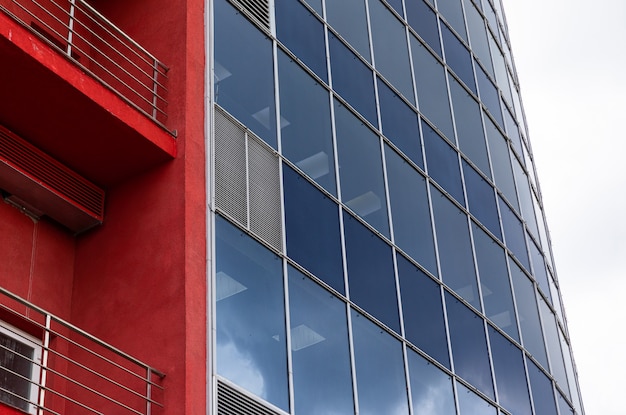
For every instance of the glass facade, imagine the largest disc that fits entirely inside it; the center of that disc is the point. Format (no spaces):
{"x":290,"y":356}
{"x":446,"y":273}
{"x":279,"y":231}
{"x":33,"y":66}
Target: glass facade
{"x":409,"y":271}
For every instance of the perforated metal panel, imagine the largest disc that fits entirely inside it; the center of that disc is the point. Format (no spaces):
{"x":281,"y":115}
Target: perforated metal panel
{"x":230,"y":168}
{"x":257,"y":9}
{"x":232,"y":402}
{"x":247,"y":179}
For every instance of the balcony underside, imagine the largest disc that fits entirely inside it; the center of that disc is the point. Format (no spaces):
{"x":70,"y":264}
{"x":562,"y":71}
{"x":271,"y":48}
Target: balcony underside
{"x":50,"y":102}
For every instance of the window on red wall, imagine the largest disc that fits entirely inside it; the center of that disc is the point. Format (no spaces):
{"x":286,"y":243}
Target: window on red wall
{"x":20,"y":359}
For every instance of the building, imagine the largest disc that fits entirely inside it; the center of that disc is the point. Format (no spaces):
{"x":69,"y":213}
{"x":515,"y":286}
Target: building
{"x":272,"y":207}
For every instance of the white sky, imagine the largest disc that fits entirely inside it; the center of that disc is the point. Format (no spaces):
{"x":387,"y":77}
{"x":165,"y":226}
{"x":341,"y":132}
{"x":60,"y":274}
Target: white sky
{"x":571,"y":57}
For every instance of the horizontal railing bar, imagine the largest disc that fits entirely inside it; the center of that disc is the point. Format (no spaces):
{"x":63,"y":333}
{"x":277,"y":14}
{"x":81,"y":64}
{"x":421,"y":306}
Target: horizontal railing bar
{"x":80,"y":331}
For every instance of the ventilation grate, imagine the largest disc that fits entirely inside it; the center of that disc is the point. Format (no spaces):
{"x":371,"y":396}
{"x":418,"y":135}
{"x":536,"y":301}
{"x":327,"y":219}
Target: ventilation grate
{"x":233,"y":402}
{"x":47,"y":185}
{"x":257,"y":9}
{"x":247,"y":179}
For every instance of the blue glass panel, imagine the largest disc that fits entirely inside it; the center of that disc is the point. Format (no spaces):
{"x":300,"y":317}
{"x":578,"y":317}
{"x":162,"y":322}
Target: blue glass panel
{"x":469,"y":127}
{"x":370,"y":273}
{"x":501,"y":163}
{"x":525,"y":197}
{"x":431,"y":388}
{"x":481,"y":199}
{"x":528,"y":314}
{"x":352,"y":79}
{"x":541,"y":387}
{"x":458,"y":57}
{"x":312,"y":228}
{"x":452,"y":11}
{"x":422,"y":309}
{"x":557,"y":366}
{"x":409,"y":208}
{"x":397,"y":6}
{"x":472,"y":404}
{"x":564,"y":407}
{"x":469,"y":345}
{"x":379,"y":366}
{"x":400,"y":123}
{"x":299,"y":30}
{"x":539,"y":269}
{"x":244,"y":75}
{"x":319,"y":347}
{"x":443,"y":163}
{"x":455,"y":248}
{"x":494,"y":282}
{"x":489,"y":95}
{"x":360,"y":169}
{"x":508,"y":365}
{"x":502,"y":78}
{"x":514,"y":234}
{"x":391,"y":62}
{"x":478,"y":35}
{"x":424,"y":21}
{"x":432,"y":91}
{"x":306,"y":133}
{"x":348,"y":17}
{"x":251,"y":348}
{"x":316,"y":4}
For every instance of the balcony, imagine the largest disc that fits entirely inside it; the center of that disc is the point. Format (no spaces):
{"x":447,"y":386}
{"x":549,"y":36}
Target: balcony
{"x":81,"y":90}
{"x":48,"y":366}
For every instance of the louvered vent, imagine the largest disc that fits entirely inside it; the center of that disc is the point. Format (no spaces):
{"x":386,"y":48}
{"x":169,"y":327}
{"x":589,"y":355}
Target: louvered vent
{"x":38,"y":182}
{"x":257,"y":9}
{"x":232,"y":402}
{"x":247,"y":180}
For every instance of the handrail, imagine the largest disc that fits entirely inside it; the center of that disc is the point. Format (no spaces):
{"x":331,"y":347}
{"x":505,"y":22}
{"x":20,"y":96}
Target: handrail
{"x":92,"y":42}
{"x":80,"y":369}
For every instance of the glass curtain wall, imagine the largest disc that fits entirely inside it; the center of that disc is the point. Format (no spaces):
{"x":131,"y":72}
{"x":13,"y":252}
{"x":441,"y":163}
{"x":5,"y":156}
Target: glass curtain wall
{"x":414,"y":274}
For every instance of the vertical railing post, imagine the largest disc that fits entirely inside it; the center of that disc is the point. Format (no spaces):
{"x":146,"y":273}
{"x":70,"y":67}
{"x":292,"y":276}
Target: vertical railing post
{"x":155,"y":86}
{"x":44,"y":366}
{"x":149,"y":392}
{"x":70,"y":26}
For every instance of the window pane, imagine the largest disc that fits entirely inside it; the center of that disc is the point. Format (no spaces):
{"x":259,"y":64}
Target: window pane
{"x":554,"y":346}
{"x":422,"y":309}
{"x":541,"y":386}
{"x":501,"y":163}
{"x":312,"y":227}
{"x":469,"y":127}
{"x":431,"y":388}
{"x":391,"y":62}
{"x":510,"y":375}
{"x":244,"y":75}
{"x":564,"y":407}
{"x":478,"y":35}
{"x":352,"y":79}
{"x":494,"y":282}
{"x":16,"y":370}
{"x":299,"y":30}
{"x":360,"y":169}
{"x":525,"y":197}
{"x":424,"y":21}
{"x":380,"y":379}
{"x":432,"y":91}
{"x":371,"y":276}
{"x":306,"y":133}
{"x":409,"y":207}
{"x":443,"y":163}
{"x":400,"y":123}
{"x":469,"y":345}
{"x":455,"y":249}
{"x":528,"y":314}
{"x":452,"y":11}
{"x":458,"y":57}
{"x":472,"y":404}
{"x":481,"y":199}
{"x":251,"y":348}
{"x":349,"y":19}
{"x":514,"y":234}
{"x":489,"y":95}
{"x":539,"y":269}
{"x":319,"y":349}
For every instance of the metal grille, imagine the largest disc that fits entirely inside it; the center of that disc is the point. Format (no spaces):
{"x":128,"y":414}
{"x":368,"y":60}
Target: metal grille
{"x":247,"y":180}
{"x":258,"y":9}
{"x":230,"y":168}
{"x":265,"y":213}
{"x":232,"y":402}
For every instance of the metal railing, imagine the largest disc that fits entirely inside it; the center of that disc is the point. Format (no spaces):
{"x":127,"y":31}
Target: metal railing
{"x":96,"y":45}
{"x":71,"y":371}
